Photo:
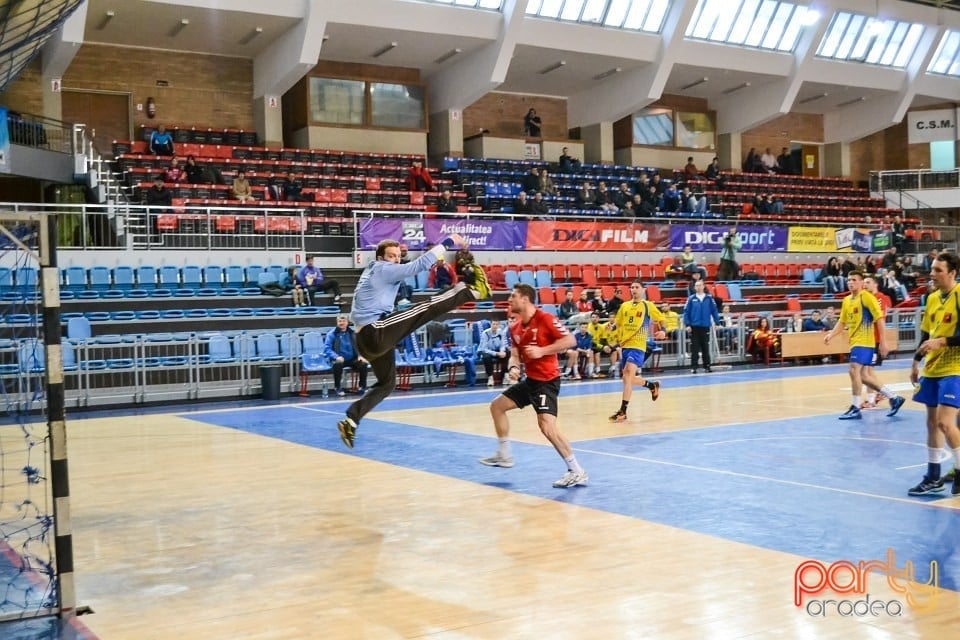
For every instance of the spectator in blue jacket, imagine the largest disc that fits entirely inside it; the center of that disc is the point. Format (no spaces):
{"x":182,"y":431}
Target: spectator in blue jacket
{"x":815,"y":322}
{"x":494,"y":350}
{"x":583,"y":349}
{"x":312,"y":280}
{"x":161,"y":142}
{"x":341,"y":350}
{"x":697,"y":314}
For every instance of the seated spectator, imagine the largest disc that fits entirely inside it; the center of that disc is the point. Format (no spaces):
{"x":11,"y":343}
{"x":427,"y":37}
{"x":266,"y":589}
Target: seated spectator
{"x":769,"y":161}
{"x":689,"y":262}
{"x":546,"y":185}
{"x":775,"y":204}
{"x":692,"y":287}
{"x":158,"y":195}
{"x":442,"y":276}
{"x":833,"y":280}
{"x":531,"y":181}
{"x":446,"y":203}
{"x":693,"y":204}
{"x":729,"y":329}
{"x":615,"y":302}
{"x":785,"y":162}
{"x":830,"y":318}
{"x":887,"y":283}
{"x":605,"y":199}
{"x":628,"y":211}
{"x":651,"y":202}
{"x":174,"y":173}
{"x":340,"y":349}
{"x":241,"y":188}
{"x":521,"y":206}
{"x":713,"y":173}
{"x":465,"y":265}
{"x":671,"y":199}
{"x":584,"y":305}
{"x":161,"y":142}
{"x":586,"y":196}
{"x":568,"y":308}
{"x":538,"y":208}
{"x":675,"y":269}
{"x":909,"y":274}
{"x":670,"y":322}
{"x":622,"y":196}
{"x":763,"y":340}
{"x":418,"y":179}
{"x":582,"y":351}
{"x":598,"y":304}
{"x":195,"y":174}
{"x":312,"y":280}
{"x":690,"y":171}
{"x":796,"y":323}
{"x":815,"y":322}
{"x":752,"y":163}
{"x":568,"y":164}
{"x":289,"y":283}
{"x":292,"y":188}
{"x":532,"y":124}
{"x":494,"y":350}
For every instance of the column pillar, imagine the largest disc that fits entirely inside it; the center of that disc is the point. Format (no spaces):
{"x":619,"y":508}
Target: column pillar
{"x":446,"y":136}
{"x":268,"y":117}
{"x":836,"y":159}
{"x":729,"y":150}
{"x":598,"y":143}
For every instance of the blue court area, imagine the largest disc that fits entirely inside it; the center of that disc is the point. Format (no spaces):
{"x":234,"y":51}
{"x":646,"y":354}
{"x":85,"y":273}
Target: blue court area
{"x":816,"y":487}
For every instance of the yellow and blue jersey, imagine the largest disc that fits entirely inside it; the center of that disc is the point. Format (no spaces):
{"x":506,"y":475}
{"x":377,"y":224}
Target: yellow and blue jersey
{"x":634,"y":321}
{"x":940,"y":320}
{"x":858,"y":314}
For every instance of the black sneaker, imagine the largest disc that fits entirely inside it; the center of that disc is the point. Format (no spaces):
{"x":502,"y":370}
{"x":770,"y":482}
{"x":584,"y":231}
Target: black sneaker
{"x":950,"y":476}
{"x":928,"y":486}
{"x":895,"y":403}
{"x":853,"y":413}
{"x":708,"y":369}
{"x":348,"y":430}
{"x":619,"y":416}
{"x":955,"y":490}
{"x":655,"y":391}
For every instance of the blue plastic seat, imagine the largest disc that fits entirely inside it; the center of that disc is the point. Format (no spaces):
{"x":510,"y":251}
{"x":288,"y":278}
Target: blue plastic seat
{"x":75,"y":279}
{"x":253,"y":274}
{"x":97,"y":316}
{"x":148,"y":314}
{"x":268,"y":347}
{"x":241,"y":312}
{"x":31,"y":356}
{"x":196,"y":313}
{"x":100,"y":278}
{"x":219,"y":313}
{"x":220,"y":350}
{"x":147,"y":277}
{"x":87,"y":295}
{"x":234,"y":277}
{"x":123,"y":278}
{"x":124,"y":316}
{"x":172,"y":314}
{"x":184,"y":293}
{"x":136,"y":293}
{"x":192,"y":277}
{"x":161,"y":293}
{"x":169,"y":277}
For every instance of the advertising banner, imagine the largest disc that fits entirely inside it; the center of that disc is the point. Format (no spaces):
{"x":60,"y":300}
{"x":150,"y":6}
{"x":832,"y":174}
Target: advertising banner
{"x":575,"y":235}
{"x":832,"y":240}
{"x":710,"y":238}
{"x":481,"y":235}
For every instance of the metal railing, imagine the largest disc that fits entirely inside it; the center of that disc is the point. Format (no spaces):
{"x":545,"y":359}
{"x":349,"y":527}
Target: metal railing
{"x":31,"y":130}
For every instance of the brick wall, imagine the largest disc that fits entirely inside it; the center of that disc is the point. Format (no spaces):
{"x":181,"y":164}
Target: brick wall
{"x":503,"y":113}
{"x":25,"y":94}
{"x":781,"y":131}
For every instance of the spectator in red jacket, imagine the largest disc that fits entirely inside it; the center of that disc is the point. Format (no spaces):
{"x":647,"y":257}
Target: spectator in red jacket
{"x":442,"y":275}
{"x":419,"y":178}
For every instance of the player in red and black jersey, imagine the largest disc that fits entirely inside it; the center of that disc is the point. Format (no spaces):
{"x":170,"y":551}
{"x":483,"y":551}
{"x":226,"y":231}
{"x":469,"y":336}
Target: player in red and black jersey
{"x":536,"y":338}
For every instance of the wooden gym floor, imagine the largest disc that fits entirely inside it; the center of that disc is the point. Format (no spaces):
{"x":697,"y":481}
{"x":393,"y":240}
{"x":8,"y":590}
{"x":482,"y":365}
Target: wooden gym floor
{"x":253,"y":520}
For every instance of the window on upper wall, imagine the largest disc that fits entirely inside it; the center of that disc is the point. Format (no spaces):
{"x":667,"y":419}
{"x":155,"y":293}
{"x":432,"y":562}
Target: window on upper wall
{"x":695,"y":130}
{"x":632,"y":15}
{"x":946,"y":59}
{"x":653,"y":126}
{"x":853,"y":37}
{"x":337,"y":101}
{"x":759,"y":24}
{"x":396,"y":105}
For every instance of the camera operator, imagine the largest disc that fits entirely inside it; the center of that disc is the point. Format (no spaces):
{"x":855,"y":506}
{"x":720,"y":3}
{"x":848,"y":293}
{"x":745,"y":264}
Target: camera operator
{"x":729,"y":269}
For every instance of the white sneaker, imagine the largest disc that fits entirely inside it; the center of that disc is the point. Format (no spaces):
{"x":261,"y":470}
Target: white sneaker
{"x":571,"y":479}
{"x":490,"y":381}
{"x":497,"y":460}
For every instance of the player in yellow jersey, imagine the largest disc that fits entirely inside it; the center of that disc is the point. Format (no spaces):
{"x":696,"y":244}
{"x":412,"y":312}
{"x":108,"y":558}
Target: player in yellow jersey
{"x":938,"y":385}
{"x":634,"y":322}
{"x":859,"y":313}
{"x":596,"y":331}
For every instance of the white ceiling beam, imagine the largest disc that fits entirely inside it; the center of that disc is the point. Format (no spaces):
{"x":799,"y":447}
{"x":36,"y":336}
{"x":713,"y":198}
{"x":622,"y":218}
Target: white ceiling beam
{"x":288,"y":58}
{"x":467,"y":80}
{"x":62,"y":47}
{"x":627,"y":93}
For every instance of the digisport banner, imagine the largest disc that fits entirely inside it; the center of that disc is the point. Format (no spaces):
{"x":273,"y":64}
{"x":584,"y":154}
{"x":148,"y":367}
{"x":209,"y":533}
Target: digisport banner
{"x":710,"y":238}
{"x":597,"y":236}
{"x":831,"y":240}
{"x":481,"y":235}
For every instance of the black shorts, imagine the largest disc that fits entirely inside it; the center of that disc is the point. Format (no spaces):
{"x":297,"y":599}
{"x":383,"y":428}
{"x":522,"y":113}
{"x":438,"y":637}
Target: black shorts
{"x":542,"y":395}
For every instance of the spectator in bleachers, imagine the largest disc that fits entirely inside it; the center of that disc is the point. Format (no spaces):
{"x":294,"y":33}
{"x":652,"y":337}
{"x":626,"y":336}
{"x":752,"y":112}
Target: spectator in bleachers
{"x":833,"y":279}
{"x":158,"y":195}
{"x":582,"y":350}
{"x":671,"y":199}
{"x":870,"y":264}
{"x":312,"y":280}
{"x":815,"y":322}
{"x":763,"y":338}
{"x":494,"y":350}
{"x":584,"y":305}
{"x":568,"y":308}
{"x":442,"y":275}
{"x":531,"y":181}
{"x":909,"y":274}
{"x":174,"y":172}
{"x":241,"y":187}
{"x":929,"y":258}
{"x":446,"y":203}
{"x":628,"y":211}
{"x":898,"y":231}
{"x":713,"y":173}
{"x":690,"y":171}
{"x":622,"y":196}
{"x":887,"y":283}
{"x":605,"y":199}
{"x":675,"y":269}
{"x":521,"y":206}
{"x":419,"y":178}
{"x":691,"y":203}
{"x":340,"y":349}
{"x":830,"y":318}
{"x":752,"y":164}
{"x":651,"y":202}
{"x":769,"y":161}
{"x":568,"y":164}
{"x":598,"y":304}
{"x":161,"y":142}
{"x":292,"y":188}
{"x":465,"y":265}
{"x":615,"y":302}
{"x":532,"y":124}
{"x":795,"y":325}
{"x":545,"y":184}
{"x":671,"y":320}
{"x":586,"y":196}
{"x":658,"y":184}
{"x":539,"y":208}
{"x":289,"y":283}
{"x":729,"y":329}
{"x":195,"y":174}
{"x":642,"y":183}
{"x":785,"y":162}
{"x":689,"y":262}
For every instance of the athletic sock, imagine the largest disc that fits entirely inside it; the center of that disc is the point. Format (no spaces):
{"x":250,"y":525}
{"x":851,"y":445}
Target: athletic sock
{"x":623,"y":406}
{"x":572,"y":464}
{"x":504,"y":449}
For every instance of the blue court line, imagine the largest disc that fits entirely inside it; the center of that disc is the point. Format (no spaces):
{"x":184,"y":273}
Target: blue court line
{"x":814,"y":487}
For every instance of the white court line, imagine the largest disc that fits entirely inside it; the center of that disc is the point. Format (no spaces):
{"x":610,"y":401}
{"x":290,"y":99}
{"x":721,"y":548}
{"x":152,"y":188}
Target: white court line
{"x":833,"y":437}
{"x":751,"y":476}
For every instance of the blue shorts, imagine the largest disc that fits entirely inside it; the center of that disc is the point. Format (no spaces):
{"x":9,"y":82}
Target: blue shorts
{"x":632,"y":355}
{"x":862,"y":355}
{"x":934,"y":392}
